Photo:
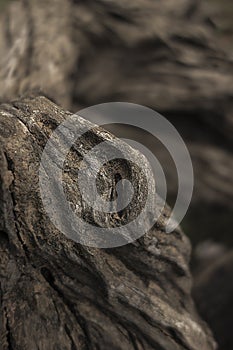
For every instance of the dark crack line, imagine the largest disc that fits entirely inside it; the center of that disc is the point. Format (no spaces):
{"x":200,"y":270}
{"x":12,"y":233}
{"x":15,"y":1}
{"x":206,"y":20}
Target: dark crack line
{"x":11,"y":169}
{"x":81,"y":321}
{"x":8,"y":335}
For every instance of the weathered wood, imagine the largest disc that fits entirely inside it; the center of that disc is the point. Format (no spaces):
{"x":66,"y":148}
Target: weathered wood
{"x":58,"y":294}
{"x":163,"y":54}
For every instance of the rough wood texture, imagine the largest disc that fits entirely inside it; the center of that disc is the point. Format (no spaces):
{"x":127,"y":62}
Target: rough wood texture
{"x":57,"y":294}
{"x":163,"y":54}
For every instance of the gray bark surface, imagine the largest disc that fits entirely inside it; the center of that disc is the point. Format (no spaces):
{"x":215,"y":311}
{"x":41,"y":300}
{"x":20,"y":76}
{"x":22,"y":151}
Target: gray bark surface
{"x":167,"y":55}
{"x":58,"y":294}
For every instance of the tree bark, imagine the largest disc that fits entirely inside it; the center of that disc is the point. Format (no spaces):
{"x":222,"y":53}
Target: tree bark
{"x":165,"y":55}
{"x":58,"y":294}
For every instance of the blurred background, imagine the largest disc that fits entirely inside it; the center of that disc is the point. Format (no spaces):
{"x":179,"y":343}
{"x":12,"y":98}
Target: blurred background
{"x":175,"y":57}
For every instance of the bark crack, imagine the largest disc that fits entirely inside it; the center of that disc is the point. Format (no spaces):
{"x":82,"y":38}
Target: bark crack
{"x":46,"y":273}
{"x":10,"y":165}
{"x":8,"y":334}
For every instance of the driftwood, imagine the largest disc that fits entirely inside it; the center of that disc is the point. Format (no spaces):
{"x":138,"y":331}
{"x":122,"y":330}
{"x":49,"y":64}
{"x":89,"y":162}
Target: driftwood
{"x":58,"y":294}
{"x":163,"y":54}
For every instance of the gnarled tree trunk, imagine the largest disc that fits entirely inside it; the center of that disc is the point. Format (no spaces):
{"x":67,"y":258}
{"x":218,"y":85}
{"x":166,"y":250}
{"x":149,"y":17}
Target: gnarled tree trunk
{"x":58,"y":294}
{"x":163,"y":54}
